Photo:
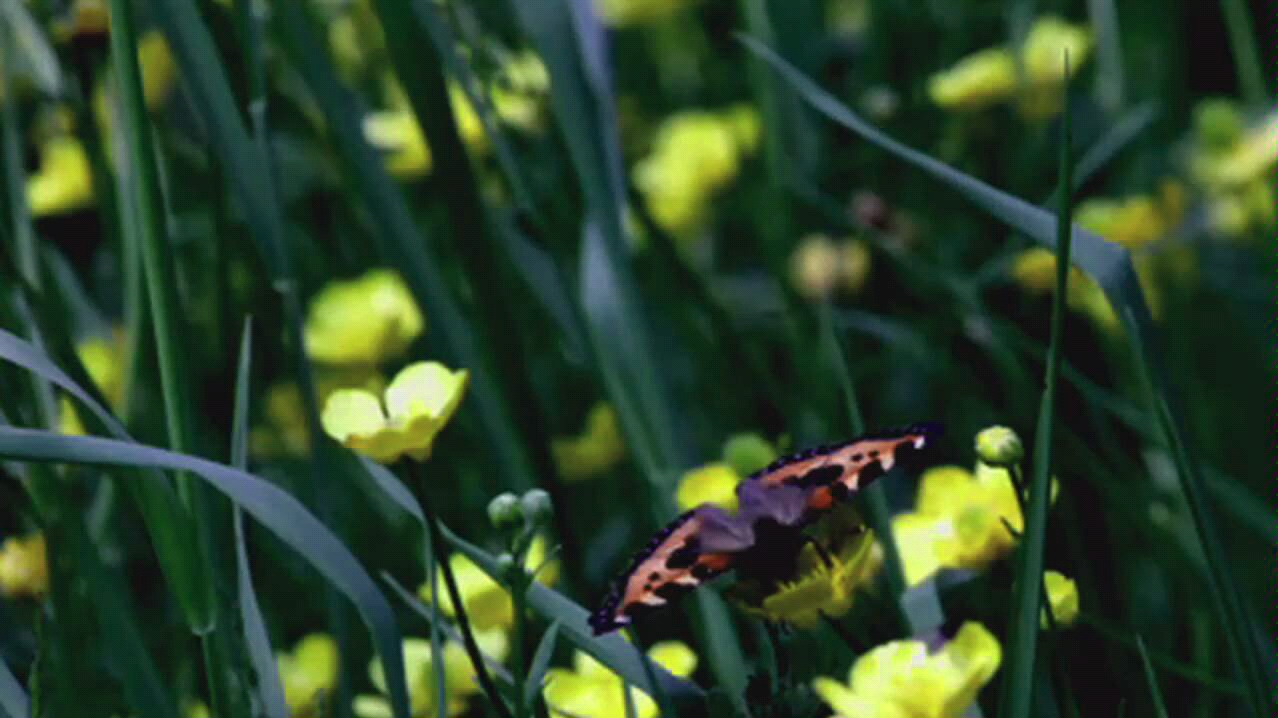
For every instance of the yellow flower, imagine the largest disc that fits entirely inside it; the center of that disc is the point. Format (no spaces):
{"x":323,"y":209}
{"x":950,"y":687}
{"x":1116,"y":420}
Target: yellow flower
{"x":713,"y":483}
{"x":395,"y":131}
{"x":104,"y":362}
{"x":309,"y":674}
{"x":1035,"y":270}
{"x":903,"y":679}
{"x":961,"y":520}
{"x":283,"y":431}
{"x":1062,"y":596}
{"x":365,"y":320}
{"x":819,"y":588}
{"x":1233,"y":168}
{"x":84,"y":18}
{"x":24,"y":567}
{"x":419,"y":674}
{"x":619,"y":13}
{"x":1132,"y":222}
{"x":488,"y":604}
{"x":592,"y":690}
{"x":975,"y":82}
{"x":418,"y":404}
{"x":694,"y":156}
{"x":599,"y":447}
{"x":64,"y":182}
{"x":518,"y":91}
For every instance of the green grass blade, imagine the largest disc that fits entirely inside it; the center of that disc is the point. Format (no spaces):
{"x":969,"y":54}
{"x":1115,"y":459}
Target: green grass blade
{"x":34,"y":56}
{"x":14,"y":702}
{"x":1242,"y":42}
{"x":540,"y":663}
{"x":402,"y":244}
{"x":274,"y":508}
{"x":1027,"y":593}
{"x":1151,"y":680}
{"x":267,"y":690}
{"x":1111,"y":266}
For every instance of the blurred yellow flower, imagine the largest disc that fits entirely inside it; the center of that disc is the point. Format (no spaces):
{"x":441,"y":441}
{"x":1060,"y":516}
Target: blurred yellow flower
{"x":596,"y":450}
{"x":418,"y":404}
{"x":1062,"y":596}
{"x":694,"y":156}
{"x":83,"y":18}
{"x":24,"y":567}
{"x":517,"y":96}
{"x":283,"y":430}
{"x":103,"y":359}
{"x":713,"y":484}
{"x":1132,"y":222}
{"x":64,"y":182}
{"x":819,"y":266}
{"x":488,"y":604}
{"x":975,"y":82}
{"x":990,"y":76}
{"x":419,"y":674}
{"x":365,"y":320}
{"x":592,"y":690}
{"x":819,"y":588}
{"x":309,"y":674}
{"x":903,"y":679}
{"x":1233,"y":166}
{"x":619,"y":13}
{"x":961,"y":519}
{"x":159,"y":77}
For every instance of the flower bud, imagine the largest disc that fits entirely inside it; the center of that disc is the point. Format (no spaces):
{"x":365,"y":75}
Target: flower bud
{"x":507,"y":567}
{"x":504,"y":511}
{"x":1218,"y":123}
{"x":999,"y":446}
{"x":537,"y":506}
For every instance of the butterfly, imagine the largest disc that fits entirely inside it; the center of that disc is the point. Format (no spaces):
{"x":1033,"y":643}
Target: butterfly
{"x":763,"y":539}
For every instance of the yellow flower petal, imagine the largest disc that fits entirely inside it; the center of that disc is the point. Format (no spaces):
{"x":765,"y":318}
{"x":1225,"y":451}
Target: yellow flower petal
{"x":713,"y":483}
{"x":976,"y":81}
{"x":64,"y":181}
{"x":1062,"y":596}
{"x":363,"y":321}
{"x":674,"y":656}
{"x":309,"y":674}
{"x":24,"y":567}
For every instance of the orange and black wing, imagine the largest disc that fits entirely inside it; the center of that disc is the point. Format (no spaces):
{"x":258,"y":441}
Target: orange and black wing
{"x":829,"y":474}
{"x":672,"y":564}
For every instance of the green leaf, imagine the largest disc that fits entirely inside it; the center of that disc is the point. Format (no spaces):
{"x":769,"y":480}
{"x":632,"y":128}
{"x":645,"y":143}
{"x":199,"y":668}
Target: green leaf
{"x":1151,"y":680}
{"x":1027,"y":593}
{"x":269,"y":693}
{"x":13,"y":700}
{"x":1111,"y":266}
{"x":35,"y":57}
{"x":540,"y":663}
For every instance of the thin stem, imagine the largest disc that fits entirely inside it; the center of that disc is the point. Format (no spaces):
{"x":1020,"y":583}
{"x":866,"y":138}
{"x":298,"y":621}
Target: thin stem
{"x":454,"y":595}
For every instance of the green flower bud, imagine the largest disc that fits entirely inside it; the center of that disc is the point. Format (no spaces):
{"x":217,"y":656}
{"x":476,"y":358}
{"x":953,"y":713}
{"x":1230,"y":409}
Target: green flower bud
{"x":537,"y":506}
{"x":999,"y":446}
{"x":507,"y":567}
{"x":504,"y":511}
{"x":747,"y":453}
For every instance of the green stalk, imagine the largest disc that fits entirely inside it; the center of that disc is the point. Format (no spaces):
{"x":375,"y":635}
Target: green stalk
{"x":140,"y":165}
{"x":1018,"y":685}
{"x":1156,"y":695}
{"x":454,"y":595}
{"x":1242,"y":42}
{"x":518,"y":666}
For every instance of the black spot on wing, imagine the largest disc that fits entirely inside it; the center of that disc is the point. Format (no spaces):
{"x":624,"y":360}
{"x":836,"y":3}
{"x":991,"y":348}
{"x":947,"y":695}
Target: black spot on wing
{"x":671,"y":591}
{"x":820,"y":476}
{"x":684,"y":556}
{"x":869,"y":472}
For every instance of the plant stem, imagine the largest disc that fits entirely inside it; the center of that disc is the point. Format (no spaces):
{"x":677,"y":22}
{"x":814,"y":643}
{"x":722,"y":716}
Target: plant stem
{"x":454,"y":595}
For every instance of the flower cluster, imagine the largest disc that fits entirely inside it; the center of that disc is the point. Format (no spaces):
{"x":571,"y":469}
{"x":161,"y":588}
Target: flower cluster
{"x":694,"y":156}
{"x":419,"y":669}
{"x":909,"y":679}
{"x":591,"y":690}
{"x":1033,"y":76}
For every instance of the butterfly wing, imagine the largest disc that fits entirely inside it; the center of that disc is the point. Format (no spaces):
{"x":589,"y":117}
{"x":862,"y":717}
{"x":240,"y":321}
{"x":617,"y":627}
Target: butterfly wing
{"x":676,"y":561}
{"x":829,"y":474}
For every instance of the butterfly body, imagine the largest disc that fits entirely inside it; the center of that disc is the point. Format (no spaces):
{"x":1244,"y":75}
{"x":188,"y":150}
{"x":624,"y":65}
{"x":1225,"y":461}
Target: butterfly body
{"x":762,"y":540}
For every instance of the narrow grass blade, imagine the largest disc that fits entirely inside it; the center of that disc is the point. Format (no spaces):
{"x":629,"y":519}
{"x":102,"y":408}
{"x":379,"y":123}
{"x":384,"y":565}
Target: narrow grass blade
{"x":1111,"y":266}
{"x":270,"y":505}
{"x":540,"y":663}
{"x":268,"y":692}
{"x":1151,"y":680}
{"x":35,"y":56}
{"x":1027,"y":593}
{"x":402,"y":244}
{"x":1242,"y":41}
{"x":14,"y":702}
